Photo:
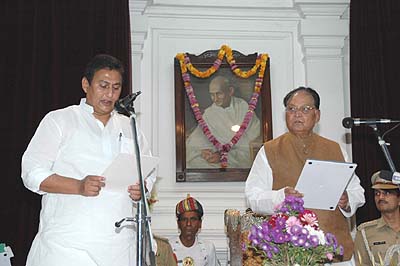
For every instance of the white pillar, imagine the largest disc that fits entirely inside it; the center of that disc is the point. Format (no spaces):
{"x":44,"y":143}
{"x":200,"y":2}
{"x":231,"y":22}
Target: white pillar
{"x":323,"y":31}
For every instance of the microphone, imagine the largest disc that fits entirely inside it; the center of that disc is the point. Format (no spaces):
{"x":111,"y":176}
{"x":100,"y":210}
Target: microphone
{"x":119,"y":223}
{"x":393,"y":177}
{"x":349,"y":122}
{"x":127,"y":219}
{"x":127,"y":100}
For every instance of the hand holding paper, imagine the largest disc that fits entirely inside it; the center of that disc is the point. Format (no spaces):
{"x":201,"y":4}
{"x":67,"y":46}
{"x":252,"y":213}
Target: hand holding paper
{"x":91,"y":185}
{"x":122,"y":172}
{"x":344,"y":202}
{"x":289,"y":191}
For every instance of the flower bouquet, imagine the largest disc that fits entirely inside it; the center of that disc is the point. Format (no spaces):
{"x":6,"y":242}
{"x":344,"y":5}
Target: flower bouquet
{"x":291,"y":236}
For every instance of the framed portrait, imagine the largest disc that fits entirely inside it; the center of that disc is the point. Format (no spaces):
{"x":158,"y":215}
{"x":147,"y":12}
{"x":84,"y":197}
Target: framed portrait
{"x":223,"y":100}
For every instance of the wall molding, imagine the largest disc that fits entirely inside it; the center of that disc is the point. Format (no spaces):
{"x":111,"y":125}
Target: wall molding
{"x":306,"y":40}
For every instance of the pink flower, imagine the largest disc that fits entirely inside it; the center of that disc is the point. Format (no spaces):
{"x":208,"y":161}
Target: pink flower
{"x":329,"y":256}
{"x":292,"y":220}
{"x":309,"y":218}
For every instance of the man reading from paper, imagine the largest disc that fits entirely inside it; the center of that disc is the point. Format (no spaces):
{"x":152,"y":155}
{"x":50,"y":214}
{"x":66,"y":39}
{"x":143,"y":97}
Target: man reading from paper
{"x":279,"y":162}
{"x":64,"y":161}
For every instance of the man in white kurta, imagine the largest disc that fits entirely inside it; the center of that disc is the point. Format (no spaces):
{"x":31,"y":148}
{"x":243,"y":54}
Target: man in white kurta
{"x":279,"y":161}
{"x":263,"y":199}
{"x":202,"y":252}
{"x":64,"y":161}
{"x":189,"y":248}
{"x":222,"y":117}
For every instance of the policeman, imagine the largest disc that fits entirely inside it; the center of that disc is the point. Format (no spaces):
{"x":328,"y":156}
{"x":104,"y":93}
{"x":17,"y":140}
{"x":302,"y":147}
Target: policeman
{"x":379,"y":240}
{"x":164,"y":255}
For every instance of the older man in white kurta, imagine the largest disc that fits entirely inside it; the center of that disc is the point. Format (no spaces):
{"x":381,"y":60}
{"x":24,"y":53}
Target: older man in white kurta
{"x":278,"y":165}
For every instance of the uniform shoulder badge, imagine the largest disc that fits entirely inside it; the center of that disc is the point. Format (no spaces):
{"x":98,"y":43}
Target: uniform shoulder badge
{"x":367,"y":224}
{"x":163,"y":239}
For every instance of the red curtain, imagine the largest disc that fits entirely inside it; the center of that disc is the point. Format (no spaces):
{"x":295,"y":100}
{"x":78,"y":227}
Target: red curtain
{"x":375,"y":93}
{"x":45,"y":45}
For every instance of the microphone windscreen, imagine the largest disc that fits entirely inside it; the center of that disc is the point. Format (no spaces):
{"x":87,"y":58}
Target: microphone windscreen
{"x":348,"y":122}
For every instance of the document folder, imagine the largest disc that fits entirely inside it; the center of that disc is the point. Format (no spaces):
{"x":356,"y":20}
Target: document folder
{"x":323,"y":183}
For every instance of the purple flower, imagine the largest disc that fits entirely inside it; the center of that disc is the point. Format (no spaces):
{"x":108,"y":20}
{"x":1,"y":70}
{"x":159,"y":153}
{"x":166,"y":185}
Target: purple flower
{"x":265,"y":247}
{"x":260,"y":234}
{"x":275,"y":249}
{"x":295,"y":229}
{"x":301,"y":240}
{"x":341,"y":250}
{"x":294,"y":238}
{"x":314,"y":241}
{"x":255,"y":241}
{"x":278,"y":237}
{"x":331,"y":240}
{"x":280,"y":222}
{"x":286,"y":234}
{"x":304,"y":231}
{"x":267,"y":238}
{"x":287,"y":237}
{"x":253,"y":231}
{"x":284,"y":209}
{"x":307,"y":244}
{"x":290,"y":199}
{"x":265,"y":227}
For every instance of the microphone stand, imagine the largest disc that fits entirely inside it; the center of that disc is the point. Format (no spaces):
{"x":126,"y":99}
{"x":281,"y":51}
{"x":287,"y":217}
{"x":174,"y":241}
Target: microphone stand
{"x":143,"y":229}
{"x":385,"y":150}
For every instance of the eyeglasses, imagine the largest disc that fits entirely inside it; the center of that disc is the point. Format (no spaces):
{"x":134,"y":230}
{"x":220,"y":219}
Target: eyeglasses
{"x":304,"y":109}
{"x":385,"y":193}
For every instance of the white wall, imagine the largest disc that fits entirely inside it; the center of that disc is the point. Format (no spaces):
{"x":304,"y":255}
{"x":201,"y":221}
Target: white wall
{"x":306,"y":41}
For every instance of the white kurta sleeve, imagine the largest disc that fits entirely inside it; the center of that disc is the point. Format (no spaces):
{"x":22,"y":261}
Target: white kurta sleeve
{"x":354,"y":191}
{"x":212,"y":255}
{"x":259,"y":194}
{"x":38,"y":159}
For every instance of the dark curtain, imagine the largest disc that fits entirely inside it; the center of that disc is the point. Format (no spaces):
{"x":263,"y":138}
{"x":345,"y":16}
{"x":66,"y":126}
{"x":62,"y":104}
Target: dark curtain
{"x":45,"y":46}
{"x":375,"y":92}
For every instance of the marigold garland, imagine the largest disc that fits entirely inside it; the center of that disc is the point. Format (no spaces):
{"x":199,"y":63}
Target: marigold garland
{"x":226,"y":51}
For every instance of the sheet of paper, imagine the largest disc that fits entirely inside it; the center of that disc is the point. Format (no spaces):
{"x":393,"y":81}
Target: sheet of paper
{"x":323,"y":183}
{"x":122,"y":172}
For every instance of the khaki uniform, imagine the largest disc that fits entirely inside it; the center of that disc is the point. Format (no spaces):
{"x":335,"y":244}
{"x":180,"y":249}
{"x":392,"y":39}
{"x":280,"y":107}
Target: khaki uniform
{"x":375,"y":238}
{"x":164,"y":255}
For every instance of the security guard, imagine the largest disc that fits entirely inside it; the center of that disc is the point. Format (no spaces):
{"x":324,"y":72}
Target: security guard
{"x":379,"y":240}
{"x":164,"y":255}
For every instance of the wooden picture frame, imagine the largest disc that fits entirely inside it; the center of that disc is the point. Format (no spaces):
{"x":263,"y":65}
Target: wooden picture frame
{"x":185,"y":121}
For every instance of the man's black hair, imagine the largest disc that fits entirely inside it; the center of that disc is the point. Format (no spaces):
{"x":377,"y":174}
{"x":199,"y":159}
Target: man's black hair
{"x":310,"y":91}
{"x":102,"y":61}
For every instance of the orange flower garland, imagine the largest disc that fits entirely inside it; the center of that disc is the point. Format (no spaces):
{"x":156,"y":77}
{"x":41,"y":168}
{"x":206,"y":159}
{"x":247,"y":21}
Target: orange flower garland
{"x":226,"y":51}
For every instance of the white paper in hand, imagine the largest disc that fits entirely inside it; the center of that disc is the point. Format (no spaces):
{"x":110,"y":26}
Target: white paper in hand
{"x":323,"y":183}
{"x":122,"y":172}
